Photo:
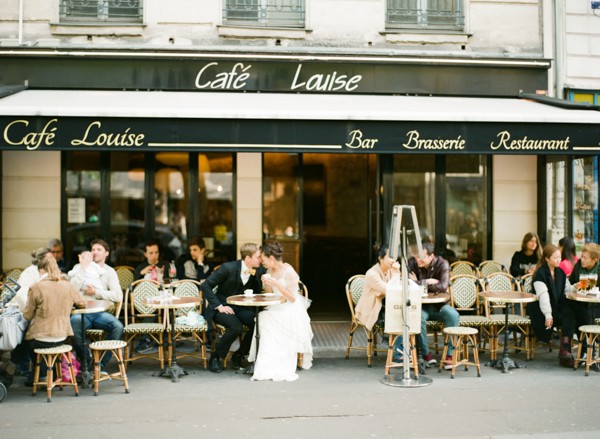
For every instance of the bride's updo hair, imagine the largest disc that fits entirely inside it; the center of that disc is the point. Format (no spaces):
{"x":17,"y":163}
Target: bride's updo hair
{"x":274,"y":249}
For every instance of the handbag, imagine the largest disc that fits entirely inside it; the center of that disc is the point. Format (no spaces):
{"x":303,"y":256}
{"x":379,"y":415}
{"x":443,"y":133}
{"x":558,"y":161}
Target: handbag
{"x":12,"y":328}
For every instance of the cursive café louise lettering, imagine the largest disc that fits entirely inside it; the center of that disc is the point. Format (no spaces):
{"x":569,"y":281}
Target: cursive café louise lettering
{"x":17,"y":133}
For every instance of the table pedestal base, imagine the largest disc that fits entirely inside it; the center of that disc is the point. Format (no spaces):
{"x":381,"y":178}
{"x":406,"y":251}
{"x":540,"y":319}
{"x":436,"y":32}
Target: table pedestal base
{"x":174,"y":371}
{"x":87,"y":377}
{"x":505,"y":363}
{"x":398,"y":380}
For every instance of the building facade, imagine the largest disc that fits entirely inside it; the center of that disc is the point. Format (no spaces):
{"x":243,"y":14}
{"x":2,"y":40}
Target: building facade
{"x":303,"y":121}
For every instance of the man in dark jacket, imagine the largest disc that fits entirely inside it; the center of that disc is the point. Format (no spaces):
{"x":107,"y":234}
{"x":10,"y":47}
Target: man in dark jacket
{"x":230,"y":279}
{"x":434,"y":272}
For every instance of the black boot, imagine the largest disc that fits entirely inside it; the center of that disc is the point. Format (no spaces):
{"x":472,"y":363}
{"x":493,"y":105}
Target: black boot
{"x":214,"y":365}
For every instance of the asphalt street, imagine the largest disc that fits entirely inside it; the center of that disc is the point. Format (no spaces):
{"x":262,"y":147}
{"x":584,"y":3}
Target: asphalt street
{"x":337,"y":398}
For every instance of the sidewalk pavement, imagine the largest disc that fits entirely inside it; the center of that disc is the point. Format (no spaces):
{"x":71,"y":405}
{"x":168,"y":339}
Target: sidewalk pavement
{"x":337,"y":398}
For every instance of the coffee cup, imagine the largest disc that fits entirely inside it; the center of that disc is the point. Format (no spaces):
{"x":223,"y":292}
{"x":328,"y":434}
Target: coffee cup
{"x":248,"y":292}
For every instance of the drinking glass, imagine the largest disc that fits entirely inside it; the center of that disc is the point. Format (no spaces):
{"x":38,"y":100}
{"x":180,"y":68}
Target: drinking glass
{"x":593,"y":280}
{"x":584,"y":282}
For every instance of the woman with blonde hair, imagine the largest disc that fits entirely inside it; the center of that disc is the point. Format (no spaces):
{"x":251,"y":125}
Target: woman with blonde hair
{"x":48,"y":309}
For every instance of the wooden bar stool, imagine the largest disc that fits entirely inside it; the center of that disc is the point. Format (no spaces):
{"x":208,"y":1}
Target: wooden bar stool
{"x":99,"y":350}
{"x":53,"y":358}
{"x":462,"y":338}
{"x":590,"y":334}
{"x":414,"y":360}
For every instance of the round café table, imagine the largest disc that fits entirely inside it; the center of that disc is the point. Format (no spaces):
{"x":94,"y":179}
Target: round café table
{"x":257,"y":301}
{"x":169,"y":304}
{"x":91,"y":307}
{"x":505,"y":298}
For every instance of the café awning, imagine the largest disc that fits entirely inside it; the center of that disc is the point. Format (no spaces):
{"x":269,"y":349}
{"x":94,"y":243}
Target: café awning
{"x":150,"y":120}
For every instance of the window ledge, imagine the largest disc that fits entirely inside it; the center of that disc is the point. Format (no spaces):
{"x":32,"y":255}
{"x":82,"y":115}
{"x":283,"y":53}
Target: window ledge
{"x":426,"y":37}
{"x":262,"y":32}
{"x":100,"y":28}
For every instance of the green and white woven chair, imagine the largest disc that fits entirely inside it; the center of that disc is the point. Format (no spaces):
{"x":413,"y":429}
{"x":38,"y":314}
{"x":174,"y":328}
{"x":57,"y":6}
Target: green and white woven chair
{"x":126,"y":275}
{"x":490,"y":267}
{"x":354,"y":289}
{"x":464,"y":297}
{"x":196,"y":333}
{"x":463,"y":267}
{"x":518,"y":321}
{"x":143,"y":320}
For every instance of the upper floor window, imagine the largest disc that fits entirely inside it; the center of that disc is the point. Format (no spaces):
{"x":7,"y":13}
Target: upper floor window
{"x":264,"y":13}
{"x":425,"y":14}
{"x":128,"y":11}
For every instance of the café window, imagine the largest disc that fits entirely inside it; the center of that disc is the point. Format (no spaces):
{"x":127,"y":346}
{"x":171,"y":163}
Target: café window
{"x":425,"y":14}
{"x":585,"y":200}
{"x":127,"y":199}
{"x":264,"y":13}
{"x":98,"y":11}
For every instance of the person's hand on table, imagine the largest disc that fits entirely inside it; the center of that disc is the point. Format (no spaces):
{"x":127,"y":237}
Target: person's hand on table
{"x":90,"y":290}
{"x":225,"y":309}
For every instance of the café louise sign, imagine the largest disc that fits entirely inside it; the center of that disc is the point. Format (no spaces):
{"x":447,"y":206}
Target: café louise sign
{"x":148,"y":134}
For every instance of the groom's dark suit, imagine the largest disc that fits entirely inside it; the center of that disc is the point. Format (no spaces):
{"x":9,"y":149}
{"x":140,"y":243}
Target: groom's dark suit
{"x":225,"y":282}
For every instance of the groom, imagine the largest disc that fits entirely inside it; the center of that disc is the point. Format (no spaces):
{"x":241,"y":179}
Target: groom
{"x":230,"y":279}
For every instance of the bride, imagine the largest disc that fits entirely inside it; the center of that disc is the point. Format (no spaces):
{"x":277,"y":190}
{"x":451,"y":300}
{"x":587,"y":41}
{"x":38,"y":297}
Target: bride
{"x":284,"y":329}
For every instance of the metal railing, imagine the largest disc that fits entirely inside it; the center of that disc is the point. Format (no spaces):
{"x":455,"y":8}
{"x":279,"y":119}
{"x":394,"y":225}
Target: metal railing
{"x":264,"y":13}
{"x":425,"y":14}
{"x":128,"y":11}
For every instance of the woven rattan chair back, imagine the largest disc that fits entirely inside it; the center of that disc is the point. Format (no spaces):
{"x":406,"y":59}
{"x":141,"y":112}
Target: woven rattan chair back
{"x":187,"y":288}
{"x":501,"y":282}
{"x":354,"y":289}
{"x":125,"y":273}
{"x":302,"y":289}
{"x":464,"y":293}
{"x":489,"y":267}
{"x":527,"y":283}
{"x":139,"y":291}
{"x":463,"y":267}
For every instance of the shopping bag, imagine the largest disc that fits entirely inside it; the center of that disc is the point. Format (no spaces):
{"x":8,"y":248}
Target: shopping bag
{"x":12,"y":328}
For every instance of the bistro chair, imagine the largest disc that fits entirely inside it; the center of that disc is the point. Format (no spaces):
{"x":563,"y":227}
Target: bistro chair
{"x":463,"y":267}
{"x":591,"y":334}
{"x":126,"y":275}
{"x":462,"y":339}
{"x":303,"y":291}
{"x":413,"y":358}
{"x":354,"y":289}
{"x":490,"y":267}
{"x":527,"y":283}
{"x":464,"y":297}
{"x":520,"y":323}
{"x":195,"y":332}
{"x":99,"y":350}
{"x":143,"y":320}
{"x":52,"y":358}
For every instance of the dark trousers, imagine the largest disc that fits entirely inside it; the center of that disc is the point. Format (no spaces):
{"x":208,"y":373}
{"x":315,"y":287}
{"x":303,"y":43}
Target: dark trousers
{"x":234,"y":324}
{"x":573,"y":315}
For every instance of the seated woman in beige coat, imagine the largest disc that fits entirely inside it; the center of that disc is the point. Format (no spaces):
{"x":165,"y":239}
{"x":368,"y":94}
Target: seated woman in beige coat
{"x":369,"y":306}
{"x":48,"y":309}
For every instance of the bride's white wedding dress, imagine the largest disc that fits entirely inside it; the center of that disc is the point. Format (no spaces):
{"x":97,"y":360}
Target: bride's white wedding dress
{"x":284,"y":332}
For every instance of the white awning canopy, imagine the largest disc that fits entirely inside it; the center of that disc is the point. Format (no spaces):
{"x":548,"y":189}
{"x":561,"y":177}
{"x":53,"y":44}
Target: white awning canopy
{"x":279,"y":106}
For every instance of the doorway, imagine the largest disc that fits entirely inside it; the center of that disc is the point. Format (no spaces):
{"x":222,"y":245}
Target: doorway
{"x":336,"y":206}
